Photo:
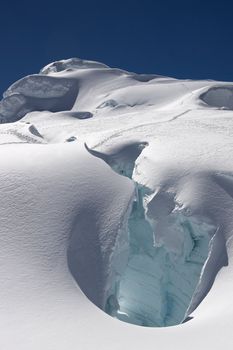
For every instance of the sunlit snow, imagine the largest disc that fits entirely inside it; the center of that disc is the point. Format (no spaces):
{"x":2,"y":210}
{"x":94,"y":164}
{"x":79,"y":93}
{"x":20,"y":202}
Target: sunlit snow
{"x":116,"y":205}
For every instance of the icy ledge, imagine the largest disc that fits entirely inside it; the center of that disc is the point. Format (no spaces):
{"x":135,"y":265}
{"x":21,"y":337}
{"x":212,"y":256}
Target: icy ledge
{"x":159,"y":257}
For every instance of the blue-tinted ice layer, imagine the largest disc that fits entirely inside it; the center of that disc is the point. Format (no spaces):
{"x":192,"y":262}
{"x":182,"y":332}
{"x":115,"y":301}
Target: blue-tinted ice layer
{"x":158,"y":258}
{"x":156,"y":285}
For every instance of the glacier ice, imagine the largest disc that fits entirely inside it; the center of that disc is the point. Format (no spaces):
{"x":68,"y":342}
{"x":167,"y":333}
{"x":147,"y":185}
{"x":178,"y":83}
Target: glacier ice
{"x":158,"y":282}
{"x":159,"y":256}
{"x":219,"y":96}
{"x":37,"y":92}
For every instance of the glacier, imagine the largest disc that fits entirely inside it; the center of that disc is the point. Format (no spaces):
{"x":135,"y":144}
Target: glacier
{"x":116,"y":205}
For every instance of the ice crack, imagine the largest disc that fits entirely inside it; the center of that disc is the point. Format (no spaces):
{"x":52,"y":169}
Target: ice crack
{"x":163,"y":252}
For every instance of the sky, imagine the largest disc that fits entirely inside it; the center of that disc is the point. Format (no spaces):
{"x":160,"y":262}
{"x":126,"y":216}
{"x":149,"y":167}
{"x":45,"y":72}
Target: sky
{"x":183,"y":39}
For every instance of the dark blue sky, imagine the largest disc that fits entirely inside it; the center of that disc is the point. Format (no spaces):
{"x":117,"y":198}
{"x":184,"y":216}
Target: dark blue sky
{"x":184,"y":39}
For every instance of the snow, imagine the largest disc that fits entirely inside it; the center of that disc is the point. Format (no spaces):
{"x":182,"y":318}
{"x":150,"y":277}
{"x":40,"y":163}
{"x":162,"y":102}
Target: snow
{"x":71,"y":64}
{"x":116,"y":192}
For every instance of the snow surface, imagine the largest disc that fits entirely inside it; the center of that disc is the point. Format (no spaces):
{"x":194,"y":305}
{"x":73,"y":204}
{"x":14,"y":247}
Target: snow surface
{"x":118,"y":185}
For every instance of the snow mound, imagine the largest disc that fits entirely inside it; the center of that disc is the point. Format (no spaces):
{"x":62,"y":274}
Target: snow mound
{"x":67,"y":85}
{"x":219,"y":96}
{"x":144,"y":94}
{"x":71,"y":64}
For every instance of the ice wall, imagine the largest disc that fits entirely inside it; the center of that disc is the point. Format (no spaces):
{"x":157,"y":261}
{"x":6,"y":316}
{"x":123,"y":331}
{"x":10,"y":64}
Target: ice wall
{"x":160,"y":253}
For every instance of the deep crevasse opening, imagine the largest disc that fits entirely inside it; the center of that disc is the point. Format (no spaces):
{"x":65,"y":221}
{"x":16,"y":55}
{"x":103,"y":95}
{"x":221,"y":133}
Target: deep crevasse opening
{"x":157,"y":261}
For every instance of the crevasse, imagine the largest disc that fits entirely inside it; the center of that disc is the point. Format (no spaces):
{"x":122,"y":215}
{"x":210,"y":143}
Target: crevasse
{"x":157,"y":261}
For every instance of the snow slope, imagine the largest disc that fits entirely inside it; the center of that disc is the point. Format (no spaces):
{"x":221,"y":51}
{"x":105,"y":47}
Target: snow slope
{"x":116,"y":188}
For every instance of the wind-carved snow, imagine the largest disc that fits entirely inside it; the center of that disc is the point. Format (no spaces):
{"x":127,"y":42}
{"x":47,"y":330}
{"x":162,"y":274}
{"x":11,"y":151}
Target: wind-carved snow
{"x":151,"y":245}
{"x":71,"y":64}
{"x":159,"y":255}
